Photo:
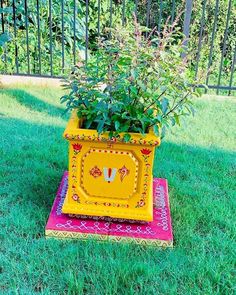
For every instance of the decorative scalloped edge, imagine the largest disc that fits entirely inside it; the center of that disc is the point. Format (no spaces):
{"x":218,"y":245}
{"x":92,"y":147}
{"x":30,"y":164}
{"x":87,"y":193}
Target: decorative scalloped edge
{"x":113,"y":140}
{"x":84,"y":236}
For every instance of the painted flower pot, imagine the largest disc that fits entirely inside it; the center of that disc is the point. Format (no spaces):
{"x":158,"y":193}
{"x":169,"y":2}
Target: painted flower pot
{"x":109,"y":177}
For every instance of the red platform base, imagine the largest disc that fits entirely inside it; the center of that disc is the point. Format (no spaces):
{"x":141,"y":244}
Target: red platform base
{"x":156,"y":233}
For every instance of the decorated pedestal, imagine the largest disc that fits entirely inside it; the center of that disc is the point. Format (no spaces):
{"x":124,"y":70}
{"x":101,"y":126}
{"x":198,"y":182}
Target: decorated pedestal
{"x":155,"y":233}
{"x":109,"y":177}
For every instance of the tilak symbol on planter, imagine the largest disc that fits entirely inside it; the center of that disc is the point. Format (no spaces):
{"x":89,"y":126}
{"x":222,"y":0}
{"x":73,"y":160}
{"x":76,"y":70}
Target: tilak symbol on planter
{"x":109,"y":174}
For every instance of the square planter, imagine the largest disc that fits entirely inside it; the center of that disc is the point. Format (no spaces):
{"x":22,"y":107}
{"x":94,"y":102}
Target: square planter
{"x":109,"y":177}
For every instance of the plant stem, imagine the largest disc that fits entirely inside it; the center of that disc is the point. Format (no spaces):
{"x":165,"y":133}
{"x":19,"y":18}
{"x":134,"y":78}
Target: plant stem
{"x":178,"y":104}
{"x":163,"y":92}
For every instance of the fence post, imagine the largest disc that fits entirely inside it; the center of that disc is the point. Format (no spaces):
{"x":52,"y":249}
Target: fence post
{"x":186,"y":28}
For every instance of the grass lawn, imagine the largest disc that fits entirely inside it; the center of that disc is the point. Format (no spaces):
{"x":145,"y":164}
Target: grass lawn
{"x":199,"y":162}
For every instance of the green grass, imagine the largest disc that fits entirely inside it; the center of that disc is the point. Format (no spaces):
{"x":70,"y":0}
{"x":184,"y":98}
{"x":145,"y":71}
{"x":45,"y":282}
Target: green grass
{"x":199,"y":162}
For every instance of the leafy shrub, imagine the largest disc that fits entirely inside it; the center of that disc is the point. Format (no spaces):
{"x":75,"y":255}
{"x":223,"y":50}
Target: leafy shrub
{"x":135,"y":80}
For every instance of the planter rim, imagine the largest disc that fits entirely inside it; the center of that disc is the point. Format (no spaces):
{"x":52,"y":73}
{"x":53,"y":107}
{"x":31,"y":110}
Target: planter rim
{"x":74,"y":132}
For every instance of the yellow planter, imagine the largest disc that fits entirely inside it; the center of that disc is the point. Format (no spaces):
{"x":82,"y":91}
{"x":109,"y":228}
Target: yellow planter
{"x":109,"y":177}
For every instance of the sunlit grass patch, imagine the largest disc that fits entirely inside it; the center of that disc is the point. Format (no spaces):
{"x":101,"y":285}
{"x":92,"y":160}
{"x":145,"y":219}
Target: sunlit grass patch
{"x":198,"y":160}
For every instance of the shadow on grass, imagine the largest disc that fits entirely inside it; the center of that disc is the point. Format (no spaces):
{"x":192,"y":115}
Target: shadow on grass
{"x":34,"y":103}
{"x":33,"y":158}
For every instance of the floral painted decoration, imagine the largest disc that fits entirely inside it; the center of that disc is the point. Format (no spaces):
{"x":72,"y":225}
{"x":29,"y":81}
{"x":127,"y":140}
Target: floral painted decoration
{"x":95,"y":172}
{"x":146,"y":151}
{"x":141,"y":203}
{"x":146,"y":154}
{"x":75,"y":197}
{"x":77,"y":148}
{"x":94,"y":137}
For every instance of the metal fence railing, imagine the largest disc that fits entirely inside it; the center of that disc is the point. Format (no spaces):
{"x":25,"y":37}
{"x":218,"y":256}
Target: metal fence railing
{"x":48,"y":36}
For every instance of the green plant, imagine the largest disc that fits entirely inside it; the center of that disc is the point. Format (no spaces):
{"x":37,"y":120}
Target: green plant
{"x":4,"y":38}
{"x":135,"y":80}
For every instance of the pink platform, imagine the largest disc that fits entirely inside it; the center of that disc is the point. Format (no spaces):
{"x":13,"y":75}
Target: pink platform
{"x":156,"y":233}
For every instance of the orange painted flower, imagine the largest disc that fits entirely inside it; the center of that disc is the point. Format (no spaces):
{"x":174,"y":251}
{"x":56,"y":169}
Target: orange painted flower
{"x":75,"y":197}
{"x":95,"y":172}
{"x":77,"y":147}
{"x":146,"y":151}
{"x":141,"y":203}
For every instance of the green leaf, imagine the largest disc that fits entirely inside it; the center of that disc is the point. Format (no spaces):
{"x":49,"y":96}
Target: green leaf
{"x":150,"y":111}
{"x":134,"y":73}
{"x":4,"y":37}
{"x":64,"y":98}
{"x":156,"y":130}
{"x":172,"y":119}
{"x":117,"y":125}
{"x":7,"y":10}
{"x":88,"y":123}
{"x":163,"y":131}
{"x":177,"y":119}
{"x":134,"y":90}
{"x":100,"y":126}
{"x":164,"y":105}
{"x":127,"y":137}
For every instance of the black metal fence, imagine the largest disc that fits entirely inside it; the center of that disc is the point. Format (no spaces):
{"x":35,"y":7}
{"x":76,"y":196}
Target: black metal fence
{"x":48,"y":36}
